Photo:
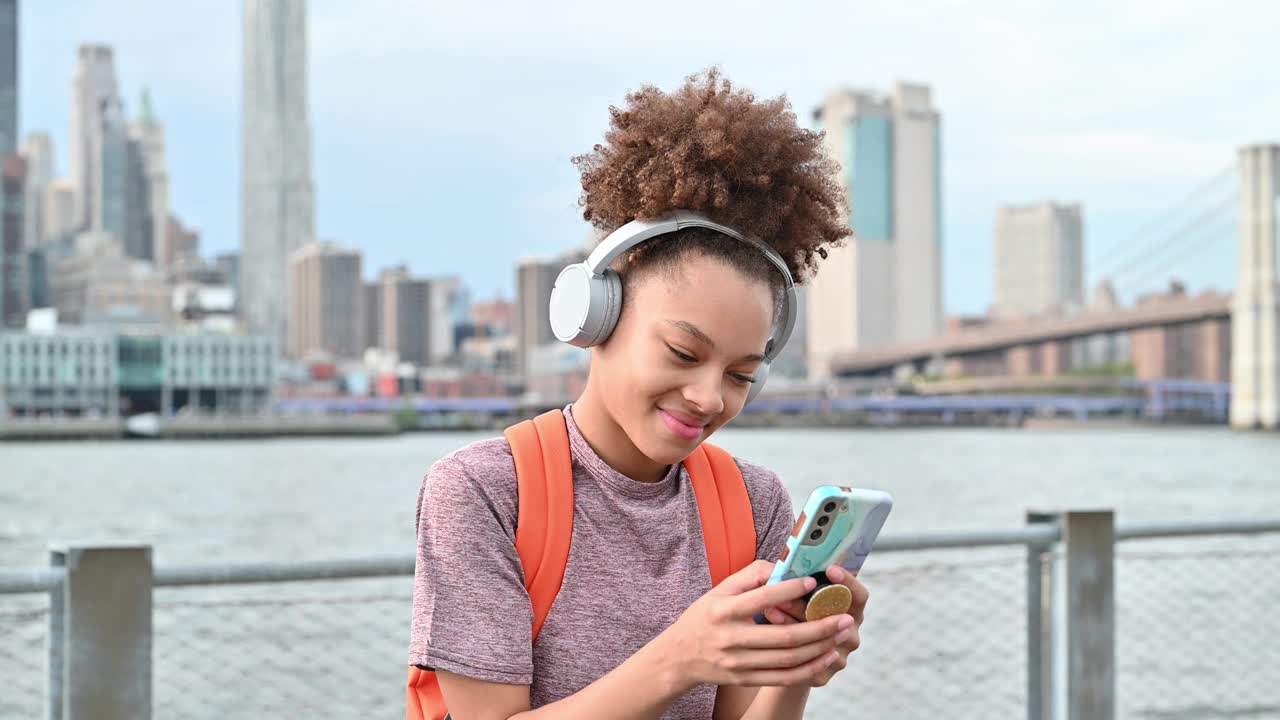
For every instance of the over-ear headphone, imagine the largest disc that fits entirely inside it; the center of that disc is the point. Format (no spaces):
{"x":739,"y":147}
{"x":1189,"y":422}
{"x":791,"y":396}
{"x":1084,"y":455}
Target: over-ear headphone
{"x":587,"y":297}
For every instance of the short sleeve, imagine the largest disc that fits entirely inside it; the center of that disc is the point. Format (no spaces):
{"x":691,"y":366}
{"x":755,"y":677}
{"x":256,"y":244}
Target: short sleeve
{"x":771,"y":506}
{"x":471,"y":612}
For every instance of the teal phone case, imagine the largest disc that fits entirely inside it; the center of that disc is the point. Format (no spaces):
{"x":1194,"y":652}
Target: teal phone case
{"x":846,"y":538}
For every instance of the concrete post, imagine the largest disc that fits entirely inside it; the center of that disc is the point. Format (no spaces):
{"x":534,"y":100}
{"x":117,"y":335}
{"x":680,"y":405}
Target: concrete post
{"x":106,"y":630}
{"x":1089,"y":540}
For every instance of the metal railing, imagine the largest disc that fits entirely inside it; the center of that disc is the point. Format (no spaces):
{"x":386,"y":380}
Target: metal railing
{"x":1069,"y":617}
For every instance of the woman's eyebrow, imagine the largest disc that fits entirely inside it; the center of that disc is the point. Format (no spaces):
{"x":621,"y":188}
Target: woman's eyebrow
{"x":702,"y":337}
{"x":693,"y":330}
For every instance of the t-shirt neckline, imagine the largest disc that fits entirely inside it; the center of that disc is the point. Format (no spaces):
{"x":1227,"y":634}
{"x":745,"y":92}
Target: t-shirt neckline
{"x":605,"y":474}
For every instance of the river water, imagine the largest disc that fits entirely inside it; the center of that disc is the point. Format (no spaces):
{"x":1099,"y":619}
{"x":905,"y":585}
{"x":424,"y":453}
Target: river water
{"x":949,"y":637}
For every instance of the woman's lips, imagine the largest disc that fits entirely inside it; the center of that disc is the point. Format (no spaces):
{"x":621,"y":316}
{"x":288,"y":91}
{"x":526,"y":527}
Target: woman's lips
{"x":682,"y":425}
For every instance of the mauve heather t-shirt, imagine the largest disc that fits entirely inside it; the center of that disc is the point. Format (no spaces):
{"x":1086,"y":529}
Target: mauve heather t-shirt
{"x":636,"y":562}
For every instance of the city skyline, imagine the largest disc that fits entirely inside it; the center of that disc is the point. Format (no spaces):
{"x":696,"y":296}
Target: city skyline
{"x":438,"y":163}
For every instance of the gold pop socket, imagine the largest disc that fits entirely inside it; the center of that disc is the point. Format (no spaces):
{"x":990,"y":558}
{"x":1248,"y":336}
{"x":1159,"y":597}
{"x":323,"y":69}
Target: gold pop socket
{"x":827,"y":601}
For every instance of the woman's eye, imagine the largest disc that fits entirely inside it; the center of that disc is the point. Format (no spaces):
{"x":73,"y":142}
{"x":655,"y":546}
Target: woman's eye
{"x":683,"y":357}
{"x":744,"y":379}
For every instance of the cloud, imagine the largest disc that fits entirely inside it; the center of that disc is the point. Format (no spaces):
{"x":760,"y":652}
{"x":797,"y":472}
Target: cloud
{"x":424,"y":107}
{"x":1121,"y":156}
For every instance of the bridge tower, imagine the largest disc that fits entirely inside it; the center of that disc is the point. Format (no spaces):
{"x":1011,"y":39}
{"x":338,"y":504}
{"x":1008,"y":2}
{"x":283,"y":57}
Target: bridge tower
{"x":1255,"y":317}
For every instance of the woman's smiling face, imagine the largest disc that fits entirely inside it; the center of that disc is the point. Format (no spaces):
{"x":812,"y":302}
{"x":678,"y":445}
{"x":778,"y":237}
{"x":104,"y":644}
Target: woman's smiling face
{"x":680,"y":362}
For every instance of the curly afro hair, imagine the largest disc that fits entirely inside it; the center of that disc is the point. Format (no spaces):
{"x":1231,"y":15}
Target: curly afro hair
{"x":718,"y":150}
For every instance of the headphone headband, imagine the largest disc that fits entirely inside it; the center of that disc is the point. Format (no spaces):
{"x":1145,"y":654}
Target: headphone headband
{"x":627,"y":237}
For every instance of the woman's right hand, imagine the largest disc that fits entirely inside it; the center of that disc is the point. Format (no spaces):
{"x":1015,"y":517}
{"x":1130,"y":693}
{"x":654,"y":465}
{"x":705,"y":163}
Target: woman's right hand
{"x":717,"y":641}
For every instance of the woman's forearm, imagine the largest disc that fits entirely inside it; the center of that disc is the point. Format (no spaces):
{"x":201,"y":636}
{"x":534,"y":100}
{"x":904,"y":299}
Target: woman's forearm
{"x":641,"y":688}
{"x":778,"y":703}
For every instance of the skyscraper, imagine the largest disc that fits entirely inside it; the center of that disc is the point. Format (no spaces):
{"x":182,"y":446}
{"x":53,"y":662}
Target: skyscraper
{"x":885,"y":284}
{"x":1039,"y":259}
{"x":535,"y":278}
{"x":8,"y":76}
{"x":148,"y":189}
{"x":58,"y":212}
{"x":414,"y":317}
{"x":183,"y":243}
{"x":447,"y":309}
{"x":324,"y":301}
{"x":406,"y":303}
{"x":14,"y":293}
{"x":108,"y":193}
{"x":229,"y":265}
{"x":277,"y":214}
{"x":92,"y":89}
{"x":534,"y":282}
{"x":371,"y":309}
{"x":37,"y":150}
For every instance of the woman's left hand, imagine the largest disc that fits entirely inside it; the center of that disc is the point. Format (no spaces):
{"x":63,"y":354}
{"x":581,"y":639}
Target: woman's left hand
{"x":793,"y":612}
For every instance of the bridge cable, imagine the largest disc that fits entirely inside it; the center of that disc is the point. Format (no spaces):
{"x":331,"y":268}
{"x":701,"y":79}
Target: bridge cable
{"x":1115,"y":252}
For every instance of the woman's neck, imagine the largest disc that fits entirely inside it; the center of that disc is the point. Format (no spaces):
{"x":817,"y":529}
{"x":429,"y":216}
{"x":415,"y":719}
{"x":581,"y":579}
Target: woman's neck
{"x":607,"y":438}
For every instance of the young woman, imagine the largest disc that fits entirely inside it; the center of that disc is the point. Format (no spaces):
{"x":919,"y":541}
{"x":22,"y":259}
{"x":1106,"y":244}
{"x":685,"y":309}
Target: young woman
{"x":636,"y":630}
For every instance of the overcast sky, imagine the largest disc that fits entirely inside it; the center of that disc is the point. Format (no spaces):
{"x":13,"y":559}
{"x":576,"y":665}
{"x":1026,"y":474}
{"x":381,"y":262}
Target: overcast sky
{"x":442,"y":131}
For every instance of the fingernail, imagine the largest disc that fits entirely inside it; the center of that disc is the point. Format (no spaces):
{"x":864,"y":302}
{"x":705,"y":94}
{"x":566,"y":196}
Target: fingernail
{"x":810,"y":583}
{"x":832,"y":657}
{"x":842,"y":637}
{"x":844,"y":622}
{"x":836,"y":573}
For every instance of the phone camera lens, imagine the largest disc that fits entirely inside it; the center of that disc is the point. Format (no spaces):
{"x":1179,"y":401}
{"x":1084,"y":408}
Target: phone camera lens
{"x":823,"y":520}
{"x":815,"y":534}
{"x":829,"y":507}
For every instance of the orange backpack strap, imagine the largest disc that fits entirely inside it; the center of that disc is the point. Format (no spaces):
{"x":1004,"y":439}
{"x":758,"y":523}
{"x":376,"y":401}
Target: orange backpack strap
{"x":425,"y":701}
{"x":544,"y":526}
{"x":728,"y":524}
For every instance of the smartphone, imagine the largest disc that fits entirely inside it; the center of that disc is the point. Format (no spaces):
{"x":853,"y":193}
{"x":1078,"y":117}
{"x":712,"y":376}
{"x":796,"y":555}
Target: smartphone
{"x":837,"y":526}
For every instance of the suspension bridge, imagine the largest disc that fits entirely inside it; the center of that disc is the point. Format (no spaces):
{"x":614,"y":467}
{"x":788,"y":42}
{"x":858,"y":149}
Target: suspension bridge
{"x":1225,"y":342}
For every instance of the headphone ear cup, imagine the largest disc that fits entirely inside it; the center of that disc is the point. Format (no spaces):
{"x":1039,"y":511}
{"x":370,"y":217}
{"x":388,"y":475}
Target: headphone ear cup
{"x":609,"y":289}
{"x":570,"y":307}
{"x":761,"y":374}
